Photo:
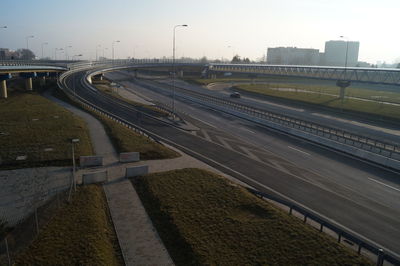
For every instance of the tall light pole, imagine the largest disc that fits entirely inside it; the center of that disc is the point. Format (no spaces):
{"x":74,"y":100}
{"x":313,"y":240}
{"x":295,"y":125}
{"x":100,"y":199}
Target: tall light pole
{"x":73,"y":183}
{"x":43,"y":44}
{"x":105,"y":48}
{"x":98,"y":46}
{"x":347,"y":51}
{"x":55,"y":52}
{"x":66,"y":51}
{"x":173,"y":68}
{"x":113,"y":49}
{"x":27,"y":41}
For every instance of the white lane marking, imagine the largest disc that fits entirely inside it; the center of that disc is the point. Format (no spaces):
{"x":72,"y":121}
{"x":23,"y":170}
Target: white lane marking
{"x":386,"y":185}
{"x":249,"y":130}
{"x":205,"y":122}
{"x":299,"y":150}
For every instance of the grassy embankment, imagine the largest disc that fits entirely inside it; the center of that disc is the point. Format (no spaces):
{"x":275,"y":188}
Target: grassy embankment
{"x":205,"y":220}
{"x":80,"y":233}
{"x":356,"y":105}
{"x":279,"y":88}
{"x":125,"y":139}
{"x":33,"y":126}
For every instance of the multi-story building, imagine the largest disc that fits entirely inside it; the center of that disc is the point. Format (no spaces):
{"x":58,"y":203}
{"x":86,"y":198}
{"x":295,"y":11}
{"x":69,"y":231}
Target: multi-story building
{"x":335,"y":53}
{"x":292,"y":56}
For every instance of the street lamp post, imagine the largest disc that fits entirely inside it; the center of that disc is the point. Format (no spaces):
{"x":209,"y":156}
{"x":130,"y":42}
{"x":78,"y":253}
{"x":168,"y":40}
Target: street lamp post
{"x":74,"y":141}
{"x":66,"y":52}
{"x":45,"y":43}
{"x":343,"y":84}
{"x":97,"y":57}
{"x":113,"y":49}
{"x":173,"y":68}
{"x":27,"y":41}
{"x":55,"y":52}
{"x":347,"y":51}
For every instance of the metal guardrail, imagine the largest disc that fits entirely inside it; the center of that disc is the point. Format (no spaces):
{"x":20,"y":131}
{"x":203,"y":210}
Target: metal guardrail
{"x":362,"y":244}
{"x":89,"y":105}
{"x":386,"y":149}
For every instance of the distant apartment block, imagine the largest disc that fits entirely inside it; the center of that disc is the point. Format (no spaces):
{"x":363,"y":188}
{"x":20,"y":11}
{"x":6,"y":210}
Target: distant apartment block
{"x":334,"y":55}
{"x":292,"y":56}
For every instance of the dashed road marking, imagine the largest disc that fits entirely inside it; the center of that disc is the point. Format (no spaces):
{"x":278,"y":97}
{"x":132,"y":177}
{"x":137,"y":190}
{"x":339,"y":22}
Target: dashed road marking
{"x":290,"y":147}
{"x":383,"y":184}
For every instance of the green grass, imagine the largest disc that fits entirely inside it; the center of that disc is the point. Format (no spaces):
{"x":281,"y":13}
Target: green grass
{"x":125,"y":139}
{"x":374,"y":108}
{"x":80,"y":233}
{"x":205,"y":220}
{"x":30,"y":124}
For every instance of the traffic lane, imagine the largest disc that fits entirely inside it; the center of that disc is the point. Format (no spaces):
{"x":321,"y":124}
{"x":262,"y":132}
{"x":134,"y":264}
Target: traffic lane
{"x":377,"y":225}
{"x":359,"y":126}
{"x":352,"y":176}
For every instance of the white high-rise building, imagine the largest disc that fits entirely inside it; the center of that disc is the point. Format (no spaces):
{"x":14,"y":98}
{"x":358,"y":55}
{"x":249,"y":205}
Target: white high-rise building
{"x":335,"y":53}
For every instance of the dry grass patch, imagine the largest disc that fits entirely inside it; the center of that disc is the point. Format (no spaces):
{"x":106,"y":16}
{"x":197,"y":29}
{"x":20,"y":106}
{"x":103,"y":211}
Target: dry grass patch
{"x":80,"y":233}
{"x":39,"y":129}
{"x":205,"y":220}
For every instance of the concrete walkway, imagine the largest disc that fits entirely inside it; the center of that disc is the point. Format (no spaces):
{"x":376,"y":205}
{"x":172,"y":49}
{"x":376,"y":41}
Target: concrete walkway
{"x":138,"y":239}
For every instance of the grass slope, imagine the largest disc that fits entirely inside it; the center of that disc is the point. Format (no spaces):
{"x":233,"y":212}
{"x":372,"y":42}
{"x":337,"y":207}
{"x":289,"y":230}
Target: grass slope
{"x":34,"y":126}
{"x":80,"y":233}
{"x":375,"y":108}
{"x":204,"y":220}
{"x":125,"y":139}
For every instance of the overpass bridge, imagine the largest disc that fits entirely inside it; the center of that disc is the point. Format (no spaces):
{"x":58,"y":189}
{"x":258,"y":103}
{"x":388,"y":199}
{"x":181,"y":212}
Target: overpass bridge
{"x":343,"y":75}
{"x":385,"y":76}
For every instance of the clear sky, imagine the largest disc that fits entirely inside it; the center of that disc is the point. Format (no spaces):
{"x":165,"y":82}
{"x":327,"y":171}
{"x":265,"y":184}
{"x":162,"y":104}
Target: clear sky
{"x":216,"y":29}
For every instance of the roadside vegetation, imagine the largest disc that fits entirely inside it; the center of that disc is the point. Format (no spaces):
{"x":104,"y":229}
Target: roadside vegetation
{"x":297,"y":93}
{"x":125,"y":139}
{"x":80,"y":233}
{"x":36,"y":132}
{"x":205,"y":220}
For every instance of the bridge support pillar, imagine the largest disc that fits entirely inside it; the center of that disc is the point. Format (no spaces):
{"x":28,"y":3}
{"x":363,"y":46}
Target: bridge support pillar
{"x":42,"y":78}
{"x":136,"y":73}
{"x":3,"y":89}
{"x":3,"y":85}
{"x":28,"y":80}
{"x":180,"y":74}
{"x":213,"y":76}
{"x":342,"y":84}
{"x":42,"y":81}
{"x":28,"y":84}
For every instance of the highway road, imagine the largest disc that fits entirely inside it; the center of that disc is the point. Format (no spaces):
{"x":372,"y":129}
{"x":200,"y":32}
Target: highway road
{"x":361,"y":197}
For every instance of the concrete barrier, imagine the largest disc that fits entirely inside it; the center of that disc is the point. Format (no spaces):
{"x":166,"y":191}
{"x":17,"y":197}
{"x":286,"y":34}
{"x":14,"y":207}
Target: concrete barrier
{"x":128,"y":157}
{"x":137,"y":171}
{"x":89,"y":161}
{"x":96,"y":177}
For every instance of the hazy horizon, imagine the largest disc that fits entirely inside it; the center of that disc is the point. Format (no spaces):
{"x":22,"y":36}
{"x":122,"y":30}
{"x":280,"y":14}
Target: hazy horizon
{"x":216,"y":29}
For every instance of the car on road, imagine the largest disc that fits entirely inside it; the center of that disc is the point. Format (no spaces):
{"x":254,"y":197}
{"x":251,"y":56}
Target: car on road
{"x":235,"y":95}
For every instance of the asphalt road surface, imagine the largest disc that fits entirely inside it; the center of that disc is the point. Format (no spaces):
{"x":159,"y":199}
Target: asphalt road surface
{"x":361,"y":197}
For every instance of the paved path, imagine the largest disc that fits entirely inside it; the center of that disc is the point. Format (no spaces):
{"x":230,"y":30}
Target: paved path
{"x":139,"y":241}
